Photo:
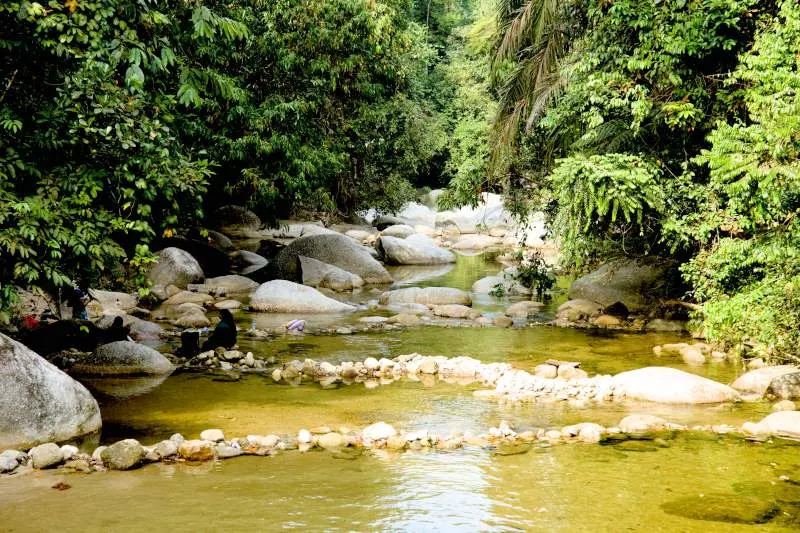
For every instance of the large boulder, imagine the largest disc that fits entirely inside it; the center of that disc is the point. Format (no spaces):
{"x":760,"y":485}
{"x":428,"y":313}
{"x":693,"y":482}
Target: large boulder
{"x":402,"y":252}
{"x":281,"y":296}
{"x":140,"y":330}
{"x":670,"y":385}
{"x":38,"y":402}
{"x":319,"y":274}
{"x":114,"y":300}
{"x":757,"y":381}
{"x":231,"y":284}
{"x":175,"y":267}
{"x":488,"y":214}
{"x":426,"y":296}
{"x":785,"y":387}
{"x":334,"y":249}
{"x":123,"y":358}
{"x":213,"y":261}
{"x":398,"y":230}
{"x":236,"y":220}
{"x":247,"y":263}
{"x":635,"y":283}
{"x":578,"y":310}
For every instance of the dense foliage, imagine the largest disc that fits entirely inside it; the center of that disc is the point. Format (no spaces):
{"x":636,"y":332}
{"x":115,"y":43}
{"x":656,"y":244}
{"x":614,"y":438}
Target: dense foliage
{"x":122,"y":120}
{"x":664,"y":128}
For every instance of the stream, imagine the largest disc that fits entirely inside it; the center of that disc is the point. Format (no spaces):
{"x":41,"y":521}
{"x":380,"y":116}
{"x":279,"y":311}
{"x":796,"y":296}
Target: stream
{"x":690,"y":482}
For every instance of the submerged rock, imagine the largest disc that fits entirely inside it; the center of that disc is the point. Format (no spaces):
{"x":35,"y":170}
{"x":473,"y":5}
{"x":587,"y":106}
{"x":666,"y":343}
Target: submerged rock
{"x":281,"y":296}
{"x":669,"y":385}
{"x":38,"y":402}
{"x":729,"y":508}
{"x":426,"y":296}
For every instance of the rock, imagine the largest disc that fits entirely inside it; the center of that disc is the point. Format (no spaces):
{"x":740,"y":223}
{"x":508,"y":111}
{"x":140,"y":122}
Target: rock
{"x":639,"y":424}
{"x":360,"y":236}
{"x":68,"y":451}
{"x":333,"y":249}
{"x":331,"y":441}
{"x":692,"y":356}
{"x":166,"y":448}
{"x":263,"y":441}
{"x":784,"y":405}
{"x":114,"y":300}
{"x":123,"y":358}
{"x":659,"y":325}
{"x":196,"y":450}
{"x":214,"y":435}
{"x":420,"y":240}
{"x":45,"y":456}
{"x":785,"y":387}
{"x":398,"y":230}
{"x":193,"y":319}
{"x":218,"y":240}
{"x":230,"y":284}
{"x":571,"y":372}
{"x":373,"y":319}
{"x":728,"y":508}
{"x":635,"y":283}
{"x":319,"y":274}
{"x":591,"y":433}
{"x":757,"y":381}
{"x":38,"y":402}
{"x":123,"y":455}
{"x":304,"y":436}
{"x":224,"y":451}
{"x":669,"y":385}
{"x":248,"y":263}
{"x":405,"y":319}
{"x":607,"y":321}
{"x":378,"y":431}
{"x":396,"y":443}
{"x":10,"y":460}
{"x":230,"y":305}
{"x":579,"y":310}
{"x":281,"y":296}
{"x":236,"y":220}
{"x":455,"y":311}
{"x":503,"y":322}
{"x":428,"y":366}
{"x":476,"y":242}
{"x":782,"y":424}
{"x":488,"y":214}
{"x":183,"y":297}
{"x":402,"y":252}
{"x":426,"y":296}
{"x":175,"y":267}
{"x":213,"y":260}
{"x":176,"y":311}
{"x":546,"y":371}
{"x":524,"y":309}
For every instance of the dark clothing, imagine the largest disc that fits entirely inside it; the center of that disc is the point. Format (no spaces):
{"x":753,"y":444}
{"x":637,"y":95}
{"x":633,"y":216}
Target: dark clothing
{"x":116,"y":331}
{"x":224,"y":334}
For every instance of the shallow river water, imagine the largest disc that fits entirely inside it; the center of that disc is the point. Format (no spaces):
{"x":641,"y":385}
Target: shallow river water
{"x":693,"y":482}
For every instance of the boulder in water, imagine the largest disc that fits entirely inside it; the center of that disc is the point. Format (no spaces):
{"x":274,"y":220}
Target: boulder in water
{"x":123,"y":455}
{"x":757,"y":381}
{"x":402,"y":252}
{"x":334,"y":249}
{"x":236,"y":220}
{"x":634,"y":283}
{"x":398,"y":230}
{"x":426,"y":296}
{"x":476,"y":242}
{"x":782,"y":423}
{"x":123,"y":358}
{"x":501,"y":285}
{"x":578,"y":310}
{"x":785,"y":387}
{"x":281,"y":296}
{"x":456,"y":311}
{"x":175,"y":267}
{"x":319,"y":274}
{"x":231,"y":284}
{"x":38,"y":402}
{"x":670,"y":385}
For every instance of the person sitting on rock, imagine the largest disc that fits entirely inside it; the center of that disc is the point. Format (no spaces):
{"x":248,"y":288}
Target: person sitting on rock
{"x":78,"y":301}
{"x":116,"y":331}
{"x":224,"y":334}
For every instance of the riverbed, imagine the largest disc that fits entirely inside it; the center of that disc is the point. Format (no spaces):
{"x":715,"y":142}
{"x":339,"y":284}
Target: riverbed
{"x":661,"y":485}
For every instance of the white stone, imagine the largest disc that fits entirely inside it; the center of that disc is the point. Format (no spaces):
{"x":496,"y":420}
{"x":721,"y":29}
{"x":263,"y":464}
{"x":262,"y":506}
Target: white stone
{"x":378,"y":431}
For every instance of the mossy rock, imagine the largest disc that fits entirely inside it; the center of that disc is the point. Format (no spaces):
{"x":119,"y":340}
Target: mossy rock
{"x":730,"y":508}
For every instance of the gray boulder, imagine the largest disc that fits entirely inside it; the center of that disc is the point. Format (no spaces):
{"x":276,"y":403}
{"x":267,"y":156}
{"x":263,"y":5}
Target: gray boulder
{"x":334,"y":249}
{"x":757,"y":381}
{"x":319,"y":274}
{"x":670,"y":385}
{"x":281,"y":296}
{"x":402,"y":252}
{"x":578,"y":310}
{"x":123,"y":455}
{"x":635,"y":283}
{"x":246,"y":262}
{"x":785,"y":387}
{"x":114,"y":300}
{"x":175,"y":267}
{"x":505,"y":286}
{"x":236,"y":220}
{"x":38,"y":402}
{"x":426,"y":296}
{"x":398,"y":230}
{"x":123,"y":358}
{"x":231,"y":284}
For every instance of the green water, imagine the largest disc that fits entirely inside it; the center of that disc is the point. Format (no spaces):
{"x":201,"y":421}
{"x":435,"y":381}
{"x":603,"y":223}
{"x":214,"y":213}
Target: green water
{"x":644,"y":487}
